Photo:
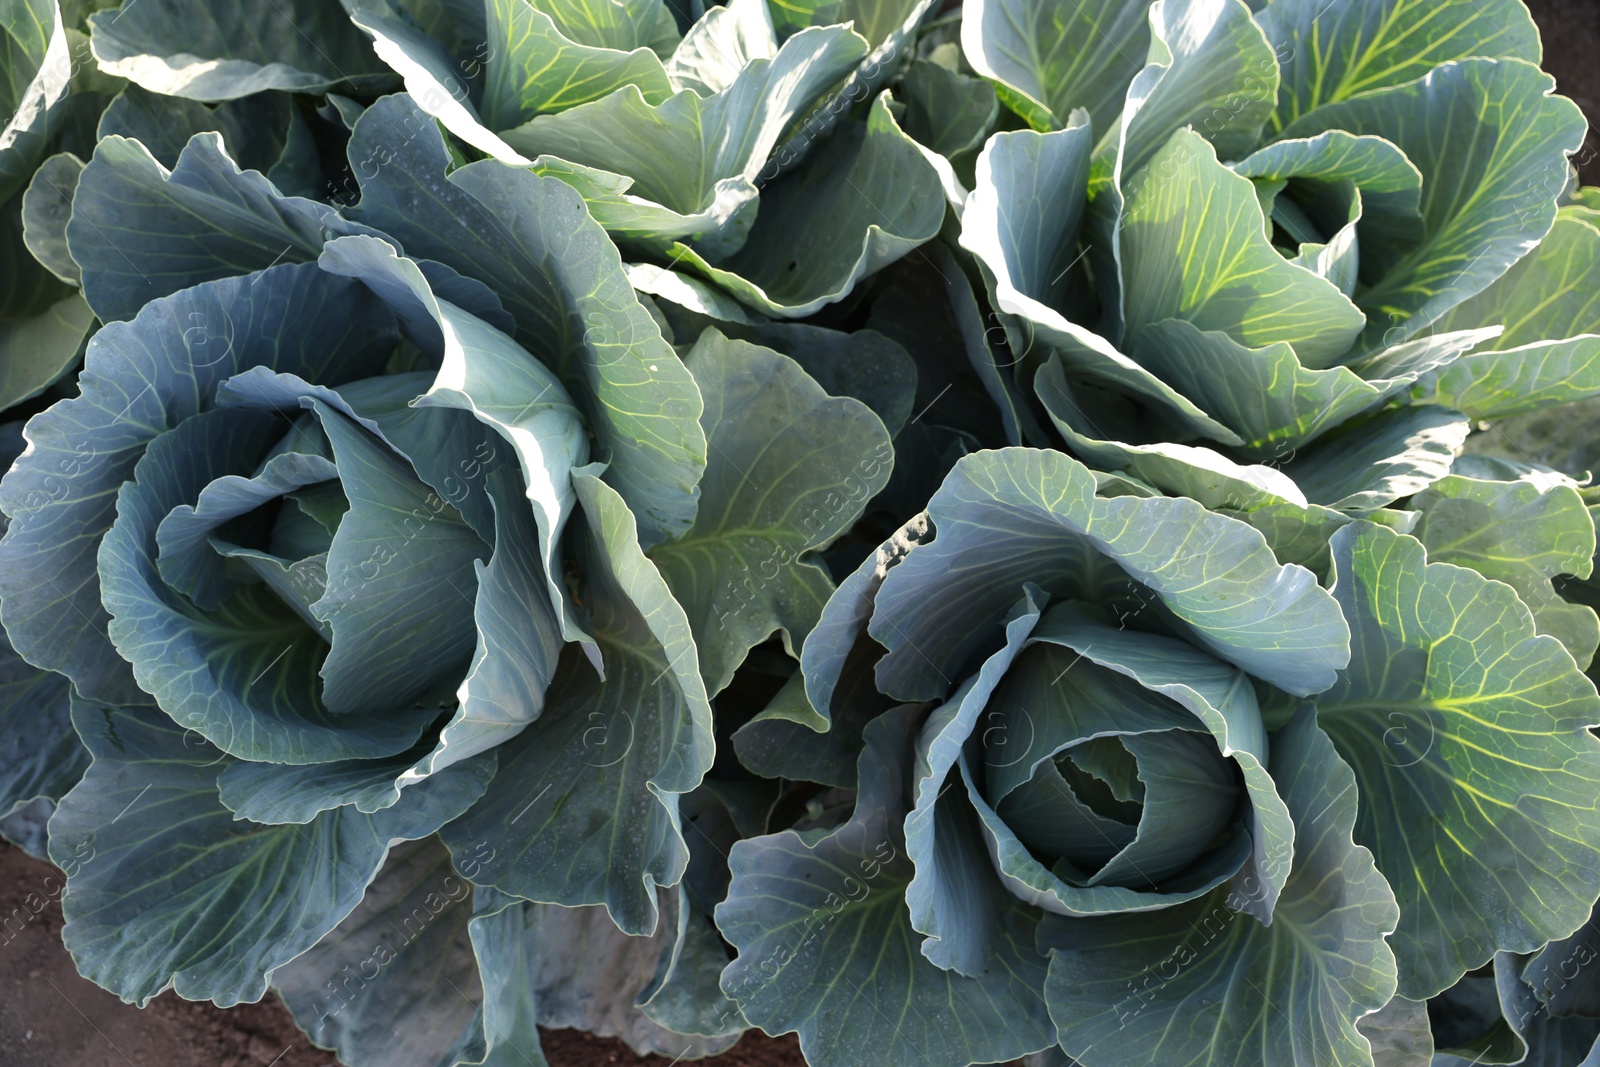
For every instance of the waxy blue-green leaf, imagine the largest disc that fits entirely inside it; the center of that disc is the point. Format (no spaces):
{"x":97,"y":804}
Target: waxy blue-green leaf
{"x":1204,"y":983}
{"x":954,"y":896}
{"x":484,"y":372}
{"x":1454,"y":707}
{"x":1021,"y":222}
{"x":399,"y":571}
{"x":32,"y":287}
{"x":40,"y":755}
{"x":141,"y":232}
{"x":1399,"y":1034}
{"x":1210,"y":69}
{"x":41,"y":350}
{"x":790,"y":469}
{"x":842,"y":627}
{"x":622,"y":26}
{"x":864,"y":364}
{"x":191,"y":562}
{"x":530,"y":240}
{"x":537,"y":69}
{"x":278,"y":793}
{"x":396,"y":981}
{"x":694,"y":160}
{"x":826,"y":947}
{"x":1047,"y":61}
{"x":946,"y":111}
{"x":1193,"y":247}
{"x":1274,"y":402}
{"x":1492,"y":146}
{"x":178,"y":894}
{"x":46,"y":208}
{"x":542,"y":965}
{"x":141,"y":379}
{"x":721,"y":43}
{"x":519,"y":637}
{"x":1300,"y":534}
{"x":1522,"y":534}
{"x":1016,"y":515}
{"x":891,"y":29}
{"x":434,"y":79}
{"x":1386,"y":193}
{"x":505,"y":1030}
{"x":1332,"y":51}
{"x":865,"y":199}
{"x":1549,"y":353}
{"x":1370,"y":462}
{"x":255,"y":129}
{"x":204,"y":51}
{"x":535,"y":59}
{"x":1500,"y":1017}
{"x":35,"y":75}
{"x":1104,"y":430}
{"x":584,"y":809}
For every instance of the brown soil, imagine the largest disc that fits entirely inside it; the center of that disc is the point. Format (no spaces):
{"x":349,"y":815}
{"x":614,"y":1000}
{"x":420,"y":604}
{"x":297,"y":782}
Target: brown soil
{"x":50,"y":1017}
{"x":1571,"y":33}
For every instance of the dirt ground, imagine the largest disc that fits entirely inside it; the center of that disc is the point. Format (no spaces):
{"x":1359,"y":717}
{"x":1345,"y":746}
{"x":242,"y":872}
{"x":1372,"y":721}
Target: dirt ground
{"x":1571,"y":33}
{"x":50,"y":1017}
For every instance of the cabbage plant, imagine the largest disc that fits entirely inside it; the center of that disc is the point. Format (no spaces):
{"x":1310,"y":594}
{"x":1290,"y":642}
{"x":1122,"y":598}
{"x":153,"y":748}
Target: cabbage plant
{"x":1260,"y":268}
{"x":709,"y":149}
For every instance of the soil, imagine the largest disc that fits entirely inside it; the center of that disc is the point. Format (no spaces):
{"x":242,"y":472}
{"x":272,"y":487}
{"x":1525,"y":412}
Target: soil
{"x":50,"y":1017}
{"x":1571,"y":33}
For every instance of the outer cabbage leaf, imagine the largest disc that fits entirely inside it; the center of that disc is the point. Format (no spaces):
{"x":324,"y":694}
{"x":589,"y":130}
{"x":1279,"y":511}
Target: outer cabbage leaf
{"x":542,"y":965}
{"x":791,"y":469}
{"x":1193,"y":246}
{"x":1209,"y":68}
{"x":612,"y":753}
{"x":1046,"y":63}
{"x":1494,"y":122}
{"x":1520,"y":533}
{"x":866,"y":199}
{"x":1016,"y":515}
{"x":1454,"y":707}
{"x":140,"y":231}
{"x":1370,"y":462}
{"x":826,"y":946}
{"x":46,"y":207}
{"x":395,"y":981}
{"x":205,"y":51}
{"x":1549,"y":352}
{"x":530,"y":240}
{"x":1331,"y":52}
{"x":1021,"y":222}
{"x":177,"y":893}
{"x":693,"y":160}
{"x":35,"y":74}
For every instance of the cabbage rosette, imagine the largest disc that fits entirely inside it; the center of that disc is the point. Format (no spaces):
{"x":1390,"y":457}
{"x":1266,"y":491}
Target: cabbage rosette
{"x":710,"y":147}
{"x":1078,"y":755}
{"x":301,"y":601}
{"x":1259,"y":255}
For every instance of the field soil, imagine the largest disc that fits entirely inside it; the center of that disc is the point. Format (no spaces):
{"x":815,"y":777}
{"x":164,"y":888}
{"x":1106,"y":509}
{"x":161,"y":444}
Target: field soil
{"x":50,"y":1017}
{"x":1571,"y":33}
